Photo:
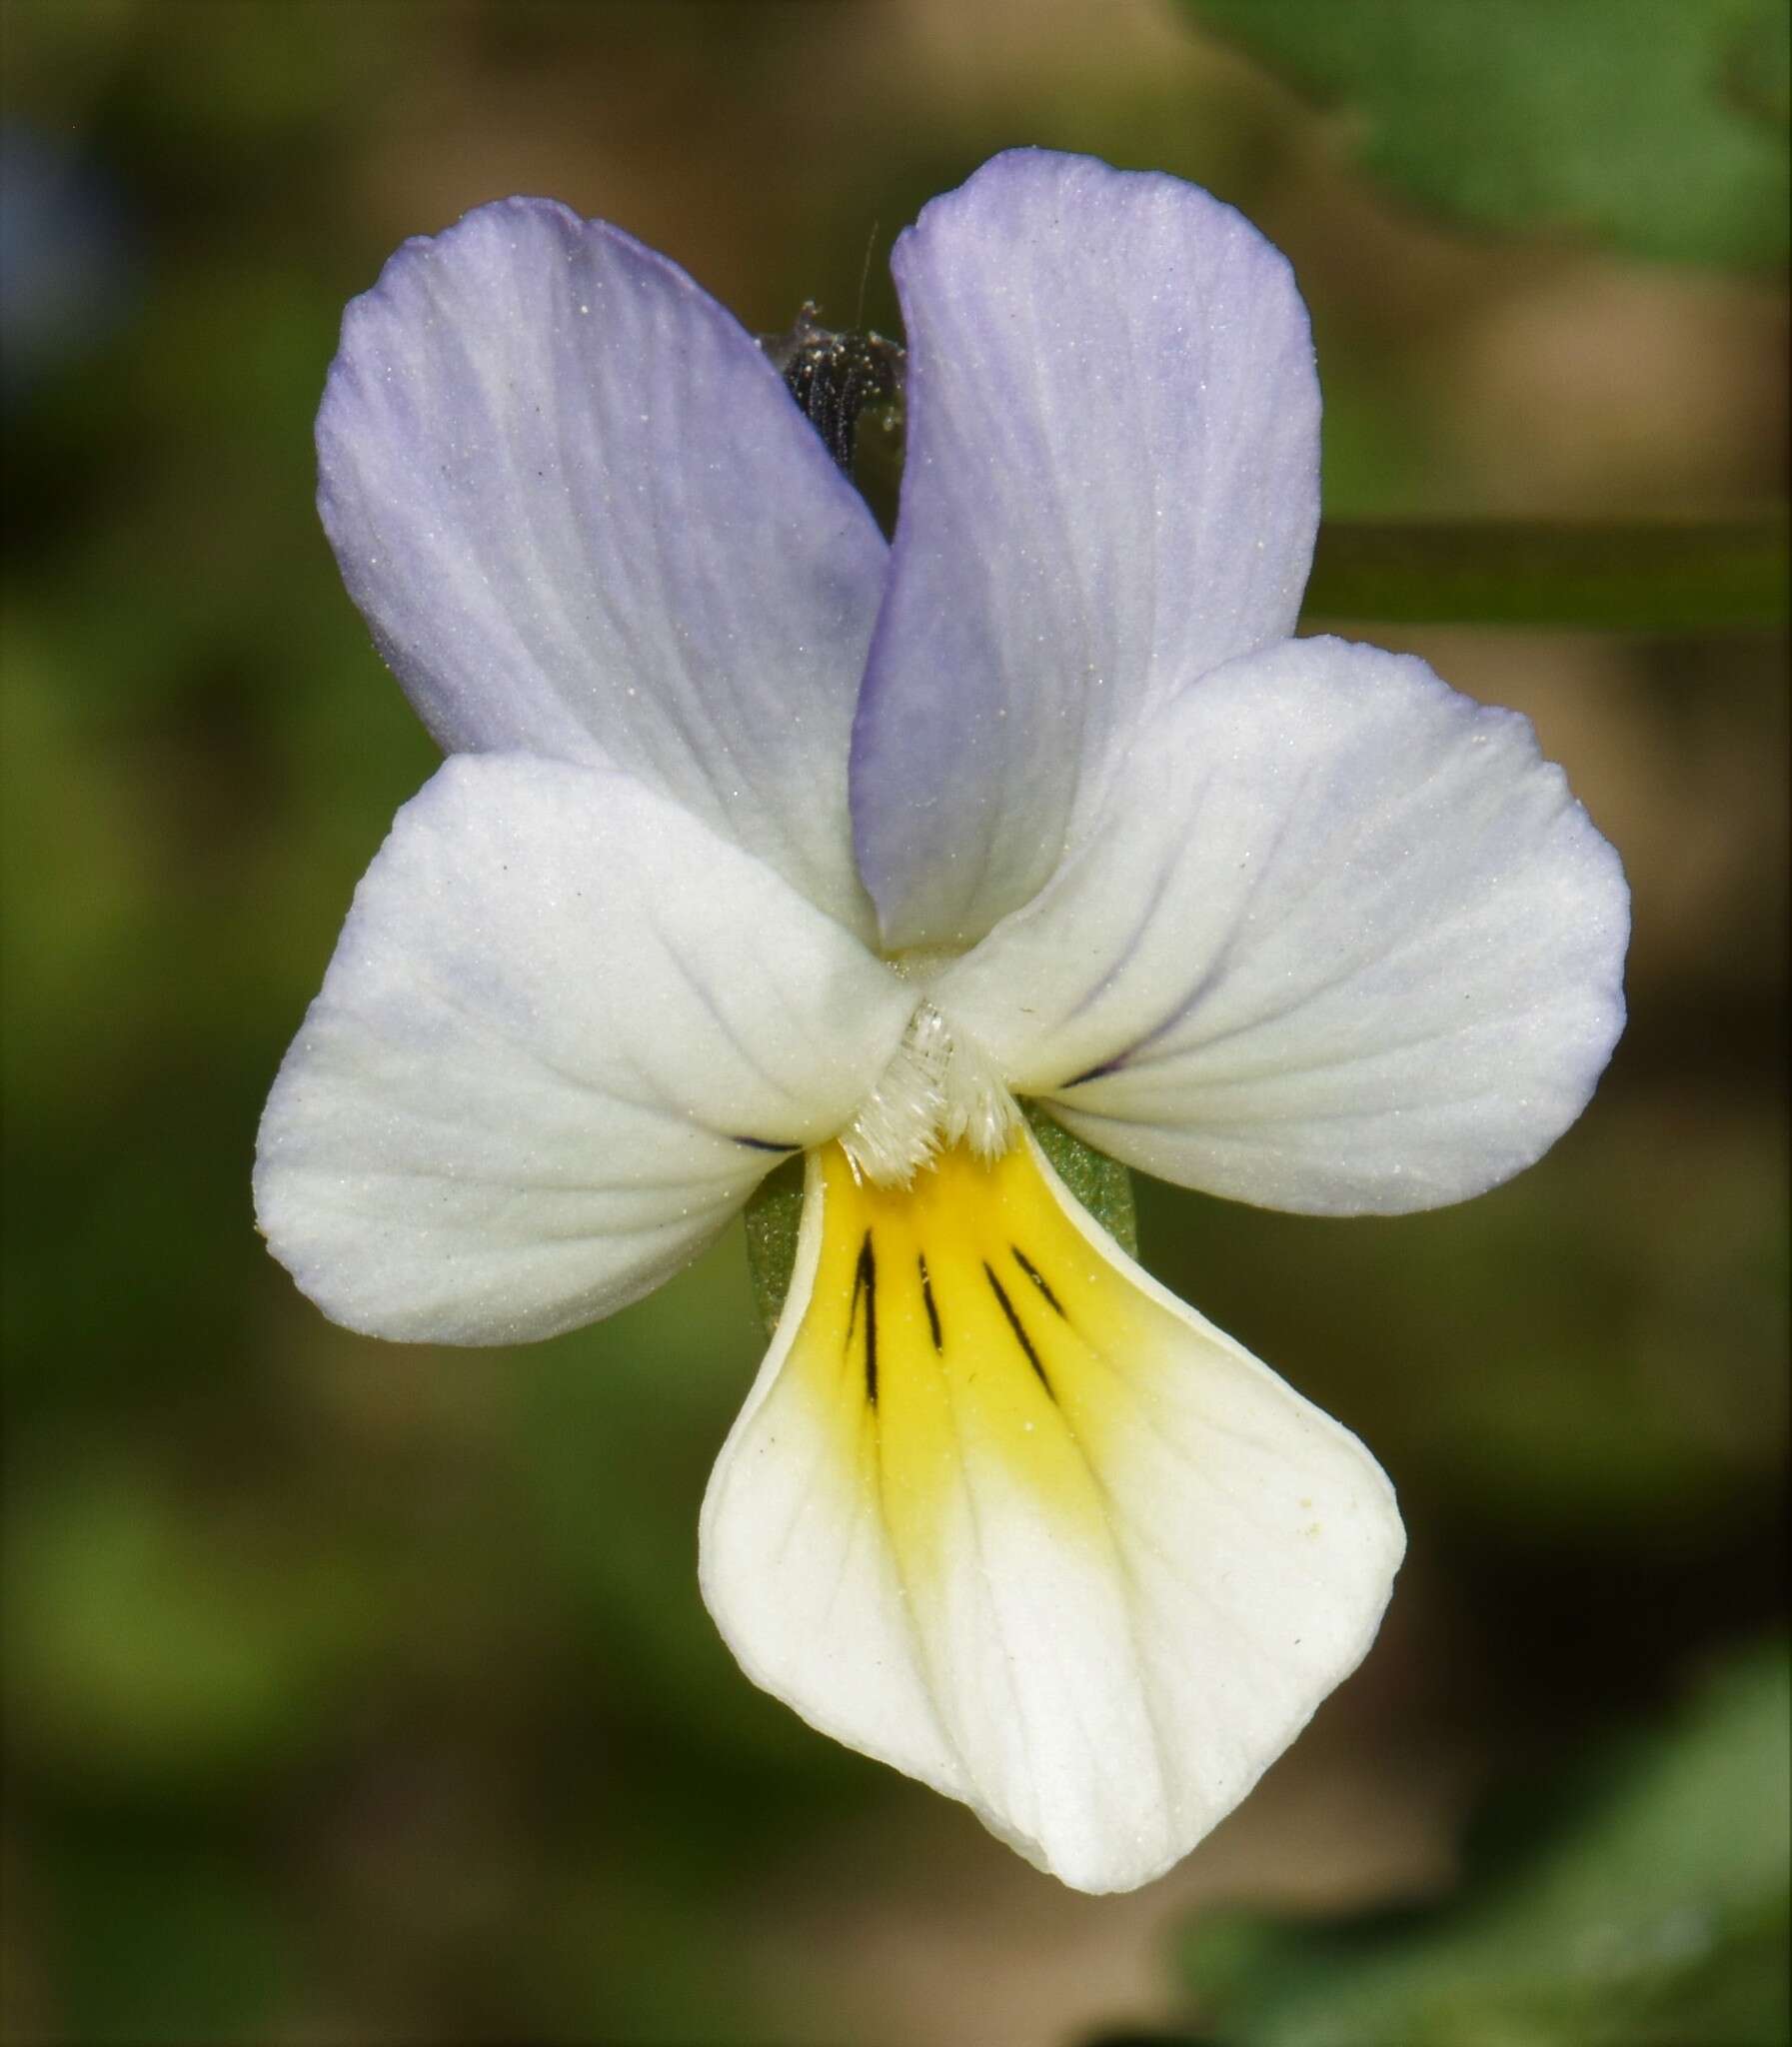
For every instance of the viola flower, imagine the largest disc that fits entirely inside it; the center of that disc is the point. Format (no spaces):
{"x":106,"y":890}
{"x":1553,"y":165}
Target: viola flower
{"x":759,"y":837}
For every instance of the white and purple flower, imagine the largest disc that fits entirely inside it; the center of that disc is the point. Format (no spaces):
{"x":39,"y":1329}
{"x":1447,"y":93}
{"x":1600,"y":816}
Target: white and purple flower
{"x":757,"y":835}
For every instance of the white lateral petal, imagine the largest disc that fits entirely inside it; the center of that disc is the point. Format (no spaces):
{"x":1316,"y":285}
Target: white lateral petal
{"x":1111,"y":486}
{"x":1001,"y":1511}
{"x":566,"y":1031}
{"x":1344,"y":943}
{"x":583,"y":519}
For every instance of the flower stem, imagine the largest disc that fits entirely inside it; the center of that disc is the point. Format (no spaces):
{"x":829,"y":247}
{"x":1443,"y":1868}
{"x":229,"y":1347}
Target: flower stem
{"x":1640,"y":577}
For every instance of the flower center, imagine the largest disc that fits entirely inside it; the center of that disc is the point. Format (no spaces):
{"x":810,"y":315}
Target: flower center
{"x":963,"y":1331}
{"x":939,"y":1090}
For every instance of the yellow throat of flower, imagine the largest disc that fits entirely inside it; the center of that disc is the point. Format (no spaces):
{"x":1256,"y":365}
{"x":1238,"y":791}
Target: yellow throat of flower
{"x":961,"y":1322}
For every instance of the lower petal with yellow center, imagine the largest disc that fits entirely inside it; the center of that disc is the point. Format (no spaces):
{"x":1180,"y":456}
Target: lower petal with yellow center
{"x":1003,"y":1512}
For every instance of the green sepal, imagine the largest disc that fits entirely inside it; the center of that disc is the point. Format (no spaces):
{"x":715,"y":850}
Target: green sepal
{"x":1102,"y":1184}
{"x":773,"y":1215}
{"x":775,"y":1210}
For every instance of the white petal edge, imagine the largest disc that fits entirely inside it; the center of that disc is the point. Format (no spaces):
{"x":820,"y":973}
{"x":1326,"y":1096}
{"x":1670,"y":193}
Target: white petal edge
{"x":564,"y":1028}
{"x":583,"y":519}
{"x":1100,"y":1693}
{"x":1344,"y":943}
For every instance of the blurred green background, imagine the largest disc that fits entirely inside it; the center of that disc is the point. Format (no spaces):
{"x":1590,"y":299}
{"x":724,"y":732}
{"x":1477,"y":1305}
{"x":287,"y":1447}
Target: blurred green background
{"x":357,"y":1693}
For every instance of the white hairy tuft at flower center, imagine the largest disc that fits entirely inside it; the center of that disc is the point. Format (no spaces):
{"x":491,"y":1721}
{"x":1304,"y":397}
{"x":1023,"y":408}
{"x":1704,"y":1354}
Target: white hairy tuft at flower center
{"x":939,"y":1090}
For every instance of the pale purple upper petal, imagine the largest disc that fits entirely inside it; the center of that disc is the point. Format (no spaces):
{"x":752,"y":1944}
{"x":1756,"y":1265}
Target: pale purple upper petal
{"x":1112,"y":486}
{"x":583,"y":519}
